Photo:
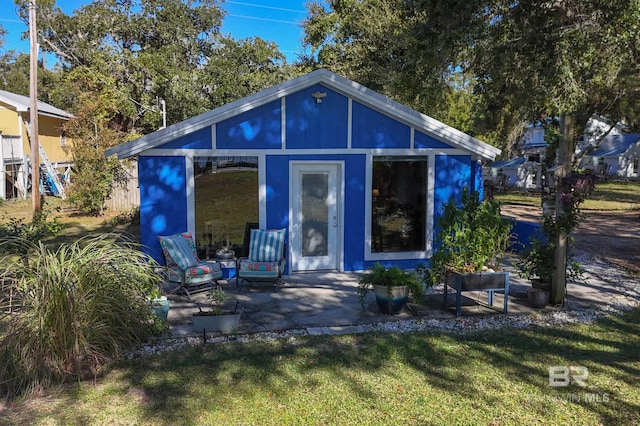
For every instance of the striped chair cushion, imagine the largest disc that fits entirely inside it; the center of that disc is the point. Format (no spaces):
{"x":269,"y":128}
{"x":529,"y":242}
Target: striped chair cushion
{"x":178,"y":251}
{"x":266,"y":246}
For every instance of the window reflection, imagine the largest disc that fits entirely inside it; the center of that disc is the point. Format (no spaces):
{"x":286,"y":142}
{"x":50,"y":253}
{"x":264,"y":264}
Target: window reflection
{"x":226,"y":198}
{"x":399,"y":200}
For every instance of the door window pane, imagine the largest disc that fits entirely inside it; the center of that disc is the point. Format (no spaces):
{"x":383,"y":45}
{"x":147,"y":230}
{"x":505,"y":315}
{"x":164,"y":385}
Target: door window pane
{"x":315,"y":214}
{"x":399,"y":200}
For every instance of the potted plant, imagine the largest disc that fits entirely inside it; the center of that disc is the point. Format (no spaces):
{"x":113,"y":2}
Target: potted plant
{"x":472,"y":238}
{"x":225,"y":252}
{"x":392,"y":287}
{"x":216,"y":319}
{"x":159,"y":304}
{"x":538,"y":263}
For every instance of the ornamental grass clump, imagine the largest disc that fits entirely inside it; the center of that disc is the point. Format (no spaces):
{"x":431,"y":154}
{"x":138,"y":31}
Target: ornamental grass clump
{"x":70,"y":310}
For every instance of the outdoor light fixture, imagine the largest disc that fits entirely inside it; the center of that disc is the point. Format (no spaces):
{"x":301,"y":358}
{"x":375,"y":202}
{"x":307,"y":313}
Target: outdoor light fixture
{"x":319,"y":96}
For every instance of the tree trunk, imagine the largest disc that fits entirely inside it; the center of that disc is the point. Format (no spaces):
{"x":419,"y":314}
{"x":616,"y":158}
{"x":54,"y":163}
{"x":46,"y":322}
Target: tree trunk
{"x":565,"y":155}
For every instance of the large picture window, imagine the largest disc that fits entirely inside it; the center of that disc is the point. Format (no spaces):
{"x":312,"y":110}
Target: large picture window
{"x":398,"y":204}
{"x":226,"y":198}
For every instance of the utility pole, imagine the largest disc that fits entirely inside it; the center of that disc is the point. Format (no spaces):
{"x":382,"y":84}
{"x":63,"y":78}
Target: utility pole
{"x":33,"y":110}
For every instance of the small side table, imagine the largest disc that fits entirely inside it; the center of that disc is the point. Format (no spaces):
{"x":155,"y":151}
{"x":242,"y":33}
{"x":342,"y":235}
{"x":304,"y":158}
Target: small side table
{"x":228,"y":267}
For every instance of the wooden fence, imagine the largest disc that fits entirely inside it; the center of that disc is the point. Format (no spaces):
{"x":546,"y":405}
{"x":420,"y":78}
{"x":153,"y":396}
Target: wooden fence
{"x":126,"y":196}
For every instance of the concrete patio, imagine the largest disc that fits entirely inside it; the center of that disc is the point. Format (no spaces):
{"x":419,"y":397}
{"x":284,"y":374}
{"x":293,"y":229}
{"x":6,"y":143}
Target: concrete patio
{"x":326,"y":301}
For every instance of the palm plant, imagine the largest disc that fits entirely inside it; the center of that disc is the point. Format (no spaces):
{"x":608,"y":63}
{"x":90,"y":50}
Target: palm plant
{"x":69,"y":310}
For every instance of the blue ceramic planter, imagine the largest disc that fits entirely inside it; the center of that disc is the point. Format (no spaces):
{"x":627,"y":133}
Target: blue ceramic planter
{"x":160,"y":308}
{"x":399,"y":296}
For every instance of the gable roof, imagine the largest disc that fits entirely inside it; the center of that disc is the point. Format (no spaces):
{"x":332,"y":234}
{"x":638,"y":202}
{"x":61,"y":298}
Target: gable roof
{"x":359,"y":93}
{"x":23,"y":103}
{"x":615,"y":145}
{"x":505,"y":164}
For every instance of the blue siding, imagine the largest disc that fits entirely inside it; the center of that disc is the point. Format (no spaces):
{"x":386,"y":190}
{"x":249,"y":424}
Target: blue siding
{"x":163,"y":200}
{"x":422,"y":140}
{"x":259,"y":128}
{"x":354,"y":179}
{"x":372,"y":129}
{"x":308,"y":121}
{"x":452,"y":174}
{"x":478,"y":180}
{"x":200,"y":139}
{"x":277,"y":197}
{"x":354,"y":212}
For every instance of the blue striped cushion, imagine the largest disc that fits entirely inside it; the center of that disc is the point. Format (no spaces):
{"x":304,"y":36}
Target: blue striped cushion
{"x":266,"y":246}
{"x":178,"y":249}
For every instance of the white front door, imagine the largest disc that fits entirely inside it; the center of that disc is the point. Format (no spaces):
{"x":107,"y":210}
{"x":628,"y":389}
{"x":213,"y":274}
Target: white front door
{"x":315,"y":224}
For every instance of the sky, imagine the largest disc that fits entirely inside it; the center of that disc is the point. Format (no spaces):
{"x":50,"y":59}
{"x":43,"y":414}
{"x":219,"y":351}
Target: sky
{"x":272,"y":20}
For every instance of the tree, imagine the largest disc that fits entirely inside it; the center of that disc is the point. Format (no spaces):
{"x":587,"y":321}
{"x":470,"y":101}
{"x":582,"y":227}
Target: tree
{"x":118,"y":59}
{"x":569,"y":59}
{"x":528,"y":60}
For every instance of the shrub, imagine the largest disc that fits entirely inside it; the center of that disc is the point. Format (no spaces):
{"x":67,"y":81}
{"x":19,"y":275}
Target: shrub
{"x":71,"y":310}
{"x":472,"y":235}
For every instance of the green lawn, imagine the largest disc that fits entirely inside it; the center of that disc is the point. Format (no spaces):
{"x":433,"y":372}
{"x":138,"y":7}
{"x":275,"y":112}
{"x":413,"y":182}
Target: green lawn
{"x":483,"y":378}
{"x":612,"y":195}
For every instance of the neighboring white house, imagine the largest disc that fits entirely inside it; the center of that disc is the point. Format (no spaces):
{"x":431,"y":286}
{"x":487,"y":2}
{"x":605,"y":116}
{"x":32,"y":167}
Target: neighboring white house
{"x":618,"y":155}
{"x":515,"y":173}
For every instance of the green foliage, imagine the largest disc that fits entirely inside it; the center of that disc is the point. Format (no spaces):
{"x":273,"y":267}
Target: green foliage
{"x":471,"y":235}
{"x":539,"y":260}
{"x":15,"y":230}
{"x":70,"y":310}
{"x":585,"y":54}
{"x":393,"y":276}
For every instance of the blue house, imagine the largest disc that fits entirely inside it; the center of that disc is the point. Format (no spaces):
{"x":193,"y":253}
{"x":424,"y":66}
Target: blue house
{"x":353,"y":176}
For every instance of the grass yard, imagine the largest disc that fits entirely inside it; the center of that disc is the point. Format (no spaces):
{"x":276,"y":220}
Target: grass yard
{"x":612,"y":195}
{"x":478,"y":379}
{"x":485,"y":378}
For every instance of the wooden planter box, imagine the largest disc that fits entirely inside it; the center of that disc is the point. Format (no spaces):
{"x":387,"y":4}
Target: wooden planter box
{"x":486,"y":281}
{"x":225,"y":323}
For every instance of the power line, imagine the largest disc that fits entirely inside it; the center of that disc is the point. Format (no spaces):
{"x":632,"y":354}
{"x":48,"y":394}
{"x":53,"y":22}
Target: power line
{"x":264,"y":19}
{"x":266,"y":7}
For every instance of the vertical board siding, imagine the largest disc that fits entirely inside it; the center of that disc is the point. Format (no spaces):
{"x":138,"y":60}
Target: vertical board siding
{"x":452,"y":174}
{"x":312,"y":124}
{"x":372,"y":129}
{"x":259,"y":128}
{"x":422,"y":140}
{"x":200,"y":139}
{"x":163,"y":191}
{"x":125,"y":196}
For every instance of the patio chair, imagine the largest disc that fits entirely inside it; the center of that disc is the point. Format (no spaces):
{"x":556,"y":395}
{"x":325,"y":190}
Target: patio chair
{"x":265,"y":261}
{"x":185,"y":272}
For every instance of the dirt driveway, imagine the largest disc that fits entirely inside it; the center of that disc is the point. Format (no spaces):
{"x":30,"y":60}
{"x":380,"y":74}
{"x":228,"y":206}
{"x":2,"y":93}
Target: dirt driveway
{"x":610,"y":235}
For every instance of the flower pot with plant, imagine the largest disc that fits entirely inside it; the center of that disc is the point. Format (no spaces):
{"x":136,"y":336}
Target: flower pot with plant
{"x":538,"y":263}
{"x":216,"y":318}
{"x":392,"y":287}
{"x":159,"y":304}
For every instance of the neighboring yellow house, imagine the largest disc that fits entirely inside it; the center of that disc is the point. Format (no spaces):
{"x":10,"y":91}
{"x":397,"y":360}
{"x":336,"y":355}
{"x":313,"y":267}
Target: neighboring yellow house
{"x":15,"y":148}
